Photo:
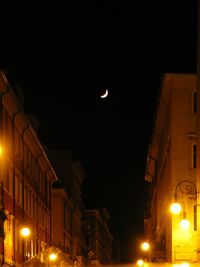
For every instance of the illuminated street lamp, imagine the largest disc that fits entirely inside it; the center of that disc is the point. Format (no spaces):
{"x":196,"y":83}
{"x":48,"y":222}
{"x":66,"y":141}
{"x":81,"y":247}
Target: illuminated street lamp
{"x":52,"y":257}
{"x":25,"y":233}
{"x":184,"y":187}
{"x":140,"y":262}
{"x":185,"y":204}
{"x":175,"y":208}
{"x":185,"y":224}
{"x":184,"y":264}
{"x":145,"y":246}
{"x":1,"y":150}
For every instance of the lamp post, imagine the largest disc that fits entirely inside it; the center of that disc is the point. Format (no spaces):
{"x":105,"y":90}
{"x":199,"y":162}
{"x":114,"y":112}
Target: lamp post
{"x":140,"y":263}
{"x":185,"y":210}
{"x":145,"y":247}
{"x":52,"y":257}
{"x":183,"y":188}
{"x":25,"y":233}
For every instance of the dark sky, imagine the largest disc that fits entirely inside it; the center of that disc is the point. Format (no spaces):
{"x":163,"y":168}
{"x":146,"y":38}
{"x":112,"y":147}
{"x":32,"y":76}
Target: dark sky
{"x":62,"y":53}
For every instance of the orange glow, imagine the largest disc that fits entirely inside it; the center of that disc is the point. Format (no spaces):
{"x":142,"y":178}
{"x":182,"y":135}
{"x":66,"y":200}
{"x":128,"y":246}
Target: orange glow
{"x":25,"y":231}
{"x":175,"y":208}
{"x":184,"y":264}
{"x":140,"y":262}
{"x":52,"y":257}
{"x":185,"y":224}
{"x":145,"y":246}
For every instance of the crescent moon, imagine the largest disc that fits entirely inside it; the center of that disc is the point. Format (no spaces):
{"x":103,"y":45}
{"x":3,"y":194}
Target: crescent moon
{"x":105,"y":94}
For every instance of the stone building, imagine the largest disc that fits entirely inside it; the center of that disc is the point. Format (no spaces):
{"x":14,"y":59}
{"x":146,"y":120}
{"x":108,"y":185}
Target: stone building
{"x":171,"y":172}
{"x":67,"y":208}
{"x":99,"y":238}
{"x":26,"y":176}
{"x":40,"y":192}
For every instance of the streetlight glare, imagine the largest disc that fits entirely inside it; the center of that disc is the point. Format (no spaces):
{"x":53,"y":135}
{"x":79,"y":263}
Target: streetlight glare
{"x":175,"y":208}
{"x":145,"y":246}
{"x":1,"y":150}
{"x":184,"y":224}
{"x":52,"y":257}
{"x":25,"y":231}
{"x":140,"y":263}
{"x":184,"y":264}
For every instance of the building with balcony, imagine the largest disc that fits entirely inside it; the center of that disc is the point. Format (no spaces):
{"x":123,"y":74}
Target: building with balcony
{"x":171,"y":172}
{"x":99,"y":238}
{"x":26,"y":176}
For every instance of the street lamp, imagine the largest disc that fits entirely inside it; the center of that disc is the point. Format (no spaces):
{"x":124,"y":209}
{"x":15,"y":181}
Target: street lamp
{"x":188,"y":188}
{"x":145,"y":246}
{"x":52,"y":257}
{"x":175,"y":208}
{"x":140,"y":262}
{"x":25,"y":233}
{"x":184,"y":209}
{"x":1,"y":150}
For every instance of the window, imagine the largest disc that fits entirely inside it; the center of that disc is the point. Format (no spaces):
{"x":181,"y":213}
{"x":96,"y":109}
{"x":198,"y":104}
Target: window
{"x":35,"y":214}
{"x":194,"y":156}
{"x":10,"y":181}
{"x":18,"y":190}
{"x":32,"y":201}
{"x":6,"y":178}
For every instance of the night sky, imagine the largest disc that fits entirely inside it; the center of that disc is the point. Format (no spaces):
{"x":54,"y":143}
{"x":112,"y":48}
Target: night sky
{"x":63,"y":53}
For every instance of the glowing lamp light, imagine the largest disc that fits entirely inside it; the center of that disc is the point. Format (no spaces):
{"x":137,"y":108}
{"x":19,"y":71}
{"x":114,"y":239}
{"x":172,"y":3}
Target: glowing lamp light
{"x":145,"y":246}
{"x":185,"y":224}
{"x":52,"y":257}
{"x":185,"y":264}
{"x":175,"y":208}
{"x":140,"y":263}
{"x":25,"y":231}
{"x":1,"y":150}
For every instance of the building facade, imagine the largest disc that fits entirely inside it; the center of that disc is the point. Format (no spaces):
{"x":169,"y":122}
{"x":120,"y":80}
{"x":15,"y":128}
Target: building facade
{"x":67,"y":208}
{"x":26,"y":176}
{"x":41,"y":190}
{"x":171,"y":173}
{"x":99,"y":238}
